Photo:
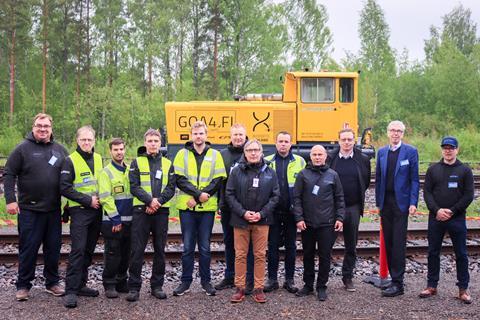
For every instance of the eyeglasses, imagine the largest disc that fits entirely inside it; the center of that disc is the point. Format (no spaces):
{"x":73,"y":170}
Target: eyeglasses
{"x":395,"y":131}
{"x":252,"y":150}
{"x":85,"y":140}
{"x":42,"y":126}
{"x":346,"y":140}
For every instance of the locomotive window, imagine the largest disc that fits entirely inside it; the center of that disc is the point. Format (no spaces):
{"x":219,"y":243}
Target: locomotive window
{"x":346,"y":90}
{"x":318,"y":89}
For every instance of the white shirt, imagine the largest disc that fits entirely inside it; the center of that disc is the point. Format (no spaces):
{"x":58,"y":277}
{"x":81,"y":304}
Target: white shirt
{"x":350,"y":155}
{"x":395,"y":146}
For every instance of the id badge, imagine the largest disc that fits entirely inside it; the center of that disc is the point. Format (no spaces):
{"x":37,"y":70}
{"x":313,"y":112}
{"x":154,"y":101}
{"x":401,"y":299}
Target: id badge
{"x":315,"y":190}
{"x":158,"y":175}
{"x":453,"y":185}
{"x":52,"y":160}
{"x":255,"y":182}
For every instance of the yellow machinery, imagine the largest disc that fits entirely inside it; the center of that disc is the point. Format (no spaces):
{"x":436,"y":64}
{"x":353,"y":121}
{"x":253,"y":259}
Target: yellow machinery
{"x":314,"y":106}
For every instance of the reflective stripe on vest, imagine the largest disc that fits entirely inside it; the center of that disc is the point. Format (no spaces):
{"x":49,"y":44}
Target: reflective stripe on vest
{"x":85,"y":182}
{"x":145,"y":183}
{"x":212,"y":167}
{"x":294,"y":167}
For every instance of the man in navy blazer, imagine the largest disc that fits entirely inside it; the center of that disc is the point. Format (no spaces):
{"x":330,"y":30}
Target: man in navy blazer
{"x":396,"y":193}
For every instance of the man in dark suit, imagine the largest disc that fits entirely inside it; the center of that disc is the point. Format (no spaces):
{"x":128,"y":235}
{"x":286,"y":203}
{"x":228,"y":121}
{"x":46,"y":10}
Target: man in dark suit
{"x":396,"y":193}
{"x":354,"y":171}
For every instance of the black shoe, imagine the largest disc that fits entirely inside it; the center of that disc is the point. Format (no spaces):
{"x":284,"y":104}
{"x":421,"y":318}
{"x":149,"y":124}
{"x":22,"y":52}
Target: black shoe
{"x":348,"y":283}
{"x":70,"y":301}
{"x":289,"y":285}
{"x":249,"y":288}
{"x":183,"y":288}
{"x":122,"y":287}
{"x":158,"y":293}
{"x":88,"y":292}
{"x":225,"y":284}
{"x":208,"y":289}
{"x":305,"y":291}
{"x":132,"y":296}
{"x":322,"y":294}
{"x":111,"y":293}
{"x":393,"y":291}
{"x":270,"y":285}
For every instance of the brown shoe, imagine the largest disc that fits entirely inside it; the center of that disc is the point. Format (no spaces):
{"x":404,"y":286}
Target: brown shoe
{"x":238,"y":296}
{"x":22,"y":295}
{"x":464,"y":296}
{"x":259,"y":296}
{"x":56,"y":290}
{"x":428,"y":292}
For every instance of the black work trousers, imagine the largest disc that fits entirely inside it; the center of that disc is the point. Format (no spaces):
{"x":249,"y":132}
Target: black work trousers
{"x":116,"y":254}
{"x":85,"y":225}
{"x":350,"y":238}
{"x":394,"y":225}
{"x":142,"y":225}
{"x":323,"y":237}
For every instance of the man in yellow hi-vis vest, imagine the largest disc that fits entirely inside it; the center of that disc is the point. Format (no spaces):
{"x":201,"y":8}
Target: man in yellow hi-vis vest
{"x":117,"y":204}
{"x":199,"y":171}
{"x":78,"y":183}
{"x":152,"y":184}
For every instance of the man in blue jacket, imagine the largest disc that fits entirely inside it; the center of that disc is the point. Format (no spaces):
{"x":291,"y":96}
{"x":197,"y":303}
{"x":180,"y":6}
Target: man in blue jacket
{"x":396,"y":193}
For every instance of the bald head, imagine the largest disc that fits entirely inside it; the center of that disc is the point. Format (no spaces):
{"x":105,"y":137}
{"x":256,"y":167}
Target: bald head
{"x":318,"y":155}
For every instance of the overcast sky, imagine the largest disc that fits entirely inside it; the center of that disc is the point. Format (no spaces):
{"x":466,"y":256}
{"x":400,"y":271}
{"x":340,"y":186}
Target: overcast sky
{"x":409,"y":22}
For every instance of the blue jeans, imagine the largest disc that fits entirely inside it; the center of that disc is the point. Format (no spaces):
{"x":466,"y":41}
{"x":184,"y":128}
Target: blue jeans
{"x":36,"y":228}
{"x":230,"y":250}
{"x":196,"y":227}
{"x":283,"y":230}
{"x":457,"y":229}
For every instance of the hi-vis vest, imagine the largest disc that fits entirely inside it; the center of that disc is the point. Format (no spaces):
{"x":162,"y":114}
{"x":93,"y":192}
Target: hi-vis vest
{"x":146,"y":184}
{"x":212,"y":167}
{"x":85,"y":181}
{"x":294,"y":167}
{"x":113,"y":185}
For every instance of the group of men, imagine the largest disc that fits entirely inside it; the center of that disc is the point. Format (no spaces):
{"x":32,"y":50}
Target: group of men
{"x":262,"y":202}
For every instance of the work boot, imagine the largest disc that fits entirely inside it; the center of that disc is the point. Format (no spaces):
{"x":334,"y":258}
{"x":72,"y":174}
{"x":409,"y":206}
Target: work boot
{"x":348,"y":284}
{"x":158,"y":293}
{"x":88,"y":292}
{"x":322,"y":294}
{"x":225,"y":284}
{"x":464,"y":296}
{"x":249,"y":288}
{"x":305,"y":291}
{"x":70,"y":300}
{"x":238,"y":296}
{"x":259,"y":296}
{"x":208,"y":289}
{"x":270,"y":285}
{"x":133,"y":295}
{"x":22,"y":294}
{"x":428,"y":292}
{"x":55,"y":290}
{"x":111,"y":293}
{"x":182,"y":288}
{"x":289,"y":285}
{"x":393,"y":291}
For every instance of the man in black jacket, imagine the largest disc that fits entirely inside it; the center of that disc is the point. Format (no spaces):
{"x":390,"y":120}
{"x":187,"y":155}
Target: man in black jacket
{"x":152,"y":183}
{"x":354,"y":171}
{"x":319,"y":209}
{"x":78,"y":183}
{"x":231,"y":155}
{"x":35,"y":166}
{"x":252,"y":194}
{"x":448,"y":191}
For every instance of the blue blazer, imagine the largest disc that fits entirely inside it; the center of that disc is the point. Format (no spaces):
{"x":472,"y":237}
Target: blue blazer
{"x":406,"y":182}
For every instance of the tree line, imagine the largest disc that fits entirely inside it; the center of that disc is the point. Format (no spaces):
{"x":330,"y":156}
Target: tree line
{"x":114,"y":63}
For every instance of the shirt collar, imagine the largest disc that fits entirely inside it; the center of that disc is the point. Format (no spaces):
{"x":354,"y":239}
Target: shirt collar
{"x":395,"y":147}
{"x":341,"y":156}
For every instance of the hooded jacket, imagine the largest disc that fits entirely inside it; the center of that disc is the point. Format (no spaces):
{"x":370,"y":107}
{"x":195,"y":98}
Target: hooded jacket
{"x":35,"y":167}
{"x":318,"y":197}
{"x":242,"y":194}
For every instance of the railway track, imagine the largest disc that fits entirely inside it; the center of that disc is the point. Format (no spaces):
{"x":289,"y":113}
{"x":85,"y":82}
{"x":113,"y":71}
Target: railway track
{"x":416,"y":245}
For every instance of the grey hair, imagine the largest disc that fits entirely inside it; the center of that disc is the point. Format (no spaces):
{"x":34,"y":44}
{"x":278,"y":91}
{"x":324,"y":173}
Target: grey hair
{"x":88,"y":128}
{"x":249,"y":142}
{"x":396,"y":123}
